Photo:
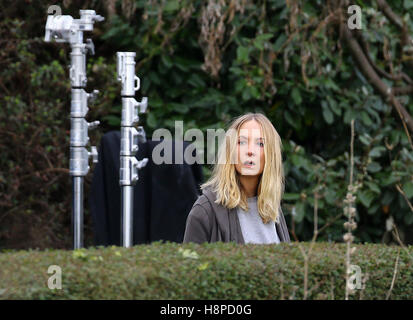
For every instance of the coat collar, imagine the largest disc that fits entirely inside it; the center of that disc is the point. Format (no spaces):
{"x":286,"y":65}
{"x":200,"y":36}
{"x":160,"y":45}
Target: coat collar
{"x":226,"y":218}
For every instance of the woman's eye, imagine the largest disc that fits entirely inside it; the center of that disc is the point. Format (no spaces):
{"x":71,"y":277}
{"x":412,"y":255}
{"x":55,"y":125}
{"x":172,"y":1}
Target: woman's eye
{"x":241,"y":142}
{"x":261,"y":144}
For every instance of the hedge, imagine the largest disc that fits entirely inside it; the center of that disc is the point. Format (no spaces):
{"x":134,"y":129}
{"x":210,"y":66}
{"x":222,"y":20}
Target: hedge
{"x":165,"y":270}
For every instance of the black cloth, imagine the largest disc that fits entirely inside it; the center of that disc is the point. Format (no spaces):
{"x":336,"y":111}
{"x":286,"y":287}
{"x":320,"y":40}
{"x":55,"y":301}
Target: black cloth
{"x":163,"y":195}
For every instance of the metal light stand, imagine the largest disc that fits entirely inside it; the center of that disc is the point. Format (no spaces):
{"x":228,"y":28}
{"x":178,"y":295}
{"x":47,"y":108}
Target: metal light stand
{"x":63,"y":28}
{"x":130,"y":136}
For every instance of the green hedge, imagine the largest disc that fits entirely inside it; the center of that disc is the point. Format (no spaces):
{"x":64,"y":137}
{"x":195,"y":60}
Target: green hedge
{"x":207,"y":271}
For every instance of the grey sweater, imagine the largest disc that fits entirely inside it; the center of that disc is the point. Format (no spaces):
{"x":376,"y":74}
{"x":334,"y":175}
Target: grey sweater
{"x":211,"y":222}
{"x":252,"y":227}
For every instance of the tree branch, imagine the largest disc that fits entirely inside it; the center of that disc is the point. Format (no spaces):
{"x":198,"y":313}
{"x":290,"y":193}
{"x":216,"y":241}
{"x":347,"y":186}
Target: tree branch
{"x":406,"y":40}
{"x":368,"y":71}
{"x":389,"y":13}
{"x":399,"y":91}
{"x":395,"y":77}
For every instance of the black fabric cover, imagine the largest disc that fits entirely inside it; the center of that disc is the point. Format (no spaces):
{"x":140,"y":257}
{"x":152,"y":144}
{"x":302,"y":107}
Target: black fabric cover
{"x":163,"y":195}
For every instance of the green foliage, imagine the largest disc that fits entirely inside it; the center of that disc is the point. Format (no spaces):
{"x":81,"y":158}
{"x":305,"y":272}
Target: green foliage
{"x":276,"y":60}
{"x":207,"y":271}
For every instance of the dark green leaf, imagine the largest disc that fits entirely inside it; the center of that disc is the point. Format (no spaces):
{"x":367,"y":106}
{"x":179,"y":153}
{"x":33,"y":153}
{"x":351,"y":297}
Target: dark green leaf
{"x":374,"y":167}
{"x":372,"y":186}
{"x":328,"y":115}
{"x":376,"y":152}
{"x":291,"y":196}
{"x":296,"y":96}
{"x":408,"y":189}
{"x":299,"y":212}
{"x":151,"y":121}
{"x":408,"y":4}
{"x":279,"y":42}
{"x":242,"y":54}
{"x":366,"y":197}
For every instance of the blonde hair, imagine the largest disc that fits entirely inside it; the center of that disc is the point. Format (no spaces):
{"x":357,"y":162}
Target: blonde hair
{"x":224,"y":180}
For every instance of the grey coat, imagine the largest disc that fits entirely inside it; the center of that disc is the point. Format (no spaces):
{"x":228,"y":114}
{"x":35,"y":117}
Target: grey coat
{"x":211,"y":222}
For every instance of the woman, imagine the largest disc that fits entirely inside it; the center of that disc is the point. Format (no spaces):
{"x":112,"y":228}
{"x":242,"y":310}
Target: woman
{"x":241,"y":200}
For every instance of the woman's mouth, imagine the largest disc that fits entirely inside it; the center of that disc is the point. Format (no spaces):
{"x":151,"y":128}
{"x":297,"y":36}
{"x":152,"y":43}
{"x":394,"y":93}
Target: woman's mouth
{"x":249,"y":163}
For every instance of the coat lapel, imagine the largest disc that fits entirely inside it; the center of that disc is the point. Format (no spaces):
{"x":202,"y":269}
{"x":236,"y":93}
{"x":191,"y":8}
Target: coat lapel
{"x":221,"y":216}
{"x":235,"y":227}
{"x":282,"y":229}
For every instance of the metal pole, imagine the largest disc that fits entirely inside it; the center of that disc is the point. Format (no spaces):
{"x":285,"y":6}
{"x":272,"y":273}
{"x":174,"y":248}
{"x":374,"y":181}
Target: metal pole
{"x":77,"y":212}
{"x":129,"y":165}
{"x":63,"y":28}
{"x":127,"y":216}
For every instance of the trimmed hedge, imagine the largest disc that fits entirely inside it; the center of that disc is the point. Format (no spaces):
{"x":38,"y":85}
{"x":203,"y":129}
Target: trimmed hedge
{"x":207,"y":271}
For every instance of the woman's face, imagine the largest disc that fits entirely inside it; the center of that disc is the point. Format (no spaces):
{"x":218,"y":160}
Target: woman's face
{"x":251,"y":158}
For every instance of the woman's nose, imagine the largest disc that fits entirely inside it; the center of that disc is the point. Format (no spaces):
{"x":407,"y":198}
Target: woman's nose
{"x":250,"y":153}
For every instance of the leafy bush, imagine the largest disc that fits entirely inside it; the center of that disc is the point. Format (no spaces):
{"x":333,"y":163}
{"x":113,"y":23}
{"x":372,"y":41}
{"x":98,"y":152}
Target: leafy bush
{"x":283,"y":58}
{"x":207,"y":271}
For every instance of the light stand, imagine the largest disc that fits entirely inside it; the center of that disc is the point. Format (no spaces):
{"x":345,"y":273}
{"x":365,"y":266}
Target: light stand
{"x":130,"y":136}
{"x":63,"y":28}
